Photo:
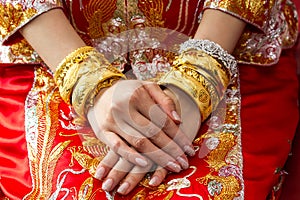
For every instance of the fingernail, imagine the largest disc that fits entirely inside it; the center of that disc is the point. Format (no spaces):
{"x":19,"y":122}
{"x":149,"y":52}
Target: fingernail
{"x":107,"y":184}
{"x":154,"y":181}
{"x":176,"y":116}
{"x":173,"y":166}
{"x":189,"y":150}
{"x":184,"y":164}
{"x":123,"y":188}
{"x":100,"y":173}
{"x":141,"y":162}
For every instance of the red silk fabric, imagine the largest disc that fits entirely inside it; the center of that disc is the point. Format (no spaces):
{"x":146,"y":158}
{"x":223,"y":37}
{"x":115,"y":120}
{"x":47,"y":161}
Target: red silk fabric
{"x":15,"y":83}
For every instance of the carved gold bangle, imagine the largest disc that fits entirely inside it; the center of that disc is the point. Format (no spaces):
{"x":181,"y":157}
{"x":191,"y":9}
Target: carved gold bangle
{"x":81,"y":76}
{"x":203,"y":70}
{"x":205,"y":63}
{"x":66,"y":73}
{"x":88,"y":87}
{"x":196,"y":90}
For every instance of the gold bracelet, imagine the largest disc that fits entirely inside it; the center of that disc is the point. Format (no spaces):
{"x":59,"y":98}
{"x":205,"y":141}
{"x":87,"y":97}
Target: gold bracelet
{"x":75,"y":57}
{"x":88,"y":87}
{"x":196,"y":90}
{"x":207,"y":66}
{"x":81,"y":76}
{"x":202,"y":77}
{"x":66,"y":73}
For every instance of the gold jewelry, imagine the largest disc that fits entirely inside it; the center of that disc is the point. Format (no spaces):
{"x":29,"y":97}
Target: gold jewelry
{"x":203,"y":70}
{"x":193,"y":88}
{"x":66,"y":73}
{"x":81,"y":76}
{"x":89,"y":86}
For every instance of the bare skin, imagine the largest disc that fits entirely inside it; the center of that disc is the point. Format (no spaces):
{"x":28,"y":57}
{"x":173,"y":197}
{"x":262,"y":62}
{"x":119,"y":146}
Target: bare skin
{"x":226,"y":32}
{"x":152,"y":133}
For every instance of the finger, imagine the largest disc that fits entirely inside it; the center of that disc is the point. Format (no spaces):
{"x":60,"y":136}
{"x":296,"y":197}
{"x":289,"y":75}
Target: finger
{"x":158,"y":137}
{"x":164,"y":101}
{"x":154,"y":151}
{"x":106,"y":164}
{"x":117,"y":173}
{"x":152,"y":112}
{"x":158,"y":176}
{"x":132,"y":179}
{"x":120,"y":147}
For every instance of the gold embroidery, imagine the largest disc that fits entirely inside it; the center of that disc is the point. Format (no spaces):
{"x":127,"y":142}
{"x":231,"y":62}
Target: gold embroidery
{"x":11,"y":16}
{"x":242,"y":55}
{"x":223,"y":188}
{"x":141,"y":195}
{"x":252,"y":11}
{"x":86,"y":189}
{"x":154,"y":191}
{"x":216,"y":158}
{"x":22,"y":48}
{"x":97,"y":13}
{"x":94,"y":146}
{"x":58,"y":149}
{"x":86,"y":161}
{"x":292,"y":22}
{"x":42,"y":159}
{"x":153,"y":11}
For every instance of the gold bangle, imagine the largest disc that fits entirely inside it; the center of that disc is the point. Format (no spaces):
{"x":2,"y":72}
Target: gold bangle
{"x":201,"y":76}
{"x":75,"y":57}
{"x":207,"y":66}
{"x":66,"y":73}
{"x":81,"y":76}
{"x":88,"y":87}
{"x":196,"y":90}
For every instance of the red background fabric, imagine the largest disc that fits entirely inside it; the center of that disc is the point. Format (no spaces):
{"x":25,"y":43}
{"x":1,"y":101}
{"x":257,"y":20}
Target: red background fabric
{"x":291,"y":186}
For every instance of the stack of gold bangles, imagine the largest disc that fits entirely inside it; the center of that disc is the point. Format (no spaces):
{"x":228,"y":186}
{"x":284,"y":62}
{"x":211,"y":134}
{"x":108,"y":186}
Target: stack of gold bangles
{"x":203,"y":70}
{"x":81,"y":76}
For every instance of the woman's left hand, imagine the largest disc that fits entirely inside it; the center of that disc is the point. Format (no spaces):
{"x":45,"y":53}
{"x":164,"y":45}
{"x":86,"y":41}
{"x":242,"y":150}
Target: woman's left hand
{"x":114,"y":170}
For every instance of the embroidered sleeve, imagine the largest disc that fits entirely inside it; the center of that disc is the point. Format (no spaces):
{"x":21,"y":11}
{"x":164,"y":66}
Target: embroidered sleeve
{"x":277,"y":20}
{"x":253,"y":12}
{"x":14,"y":14}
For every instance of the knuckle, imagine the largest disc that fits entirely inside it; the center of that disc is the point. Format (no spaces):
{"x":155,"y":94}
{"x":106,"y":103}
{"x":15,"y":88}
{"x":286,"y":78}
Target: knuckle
{"x":152,"y":131}
{"x":137,"y":94}
{"x":127,"y":155}
{"x":116,"y":145}
{"x":133,"y":179}
{"x":161,"y":172}
{"x":166,"y":100}
{"x":140,"y":143}
{"x":166,"y":123}
{"x":134,"y":98}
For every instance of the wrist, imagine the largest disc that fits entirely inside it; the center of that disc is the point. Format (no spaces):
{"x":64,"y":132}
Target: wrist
{"x":81,"y":76}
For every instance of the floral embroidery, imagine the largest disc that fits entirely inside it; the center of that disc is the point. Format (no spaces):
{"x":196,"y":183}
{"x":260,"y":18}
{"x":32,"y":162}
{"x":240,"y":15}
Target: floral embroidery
{"x":12,"y":16}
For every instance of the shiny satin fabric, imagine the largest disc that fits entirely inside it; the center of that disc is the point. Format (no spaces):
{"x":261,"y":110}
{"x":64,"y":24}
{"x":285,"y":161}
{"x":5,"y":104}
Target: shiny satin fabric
{"x":15,"y":82}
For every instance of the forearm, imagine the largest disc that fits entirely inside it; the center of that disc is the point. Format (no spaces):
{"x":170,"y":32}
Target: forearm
{"x":221,"y":28}
{"x":52,"y":36}
{"x":203,"y":64}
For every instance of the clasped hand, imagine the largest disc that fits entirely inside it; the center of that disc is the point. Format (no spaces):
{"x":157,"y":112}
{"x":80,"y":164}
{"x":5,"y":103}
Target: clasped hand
{"x":140,"y":124}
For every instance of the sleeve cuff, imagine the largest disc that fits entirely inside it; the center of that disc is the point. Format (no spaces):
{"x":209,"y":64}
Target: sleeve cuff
{"x":15,"y":15}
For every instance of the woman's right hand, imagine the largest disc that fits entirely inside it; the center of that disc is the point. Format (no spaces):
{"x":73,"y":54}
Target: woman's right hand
{"x":115,"y":170}
{"x":136,"y":120}
{"x":119,"y":173}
